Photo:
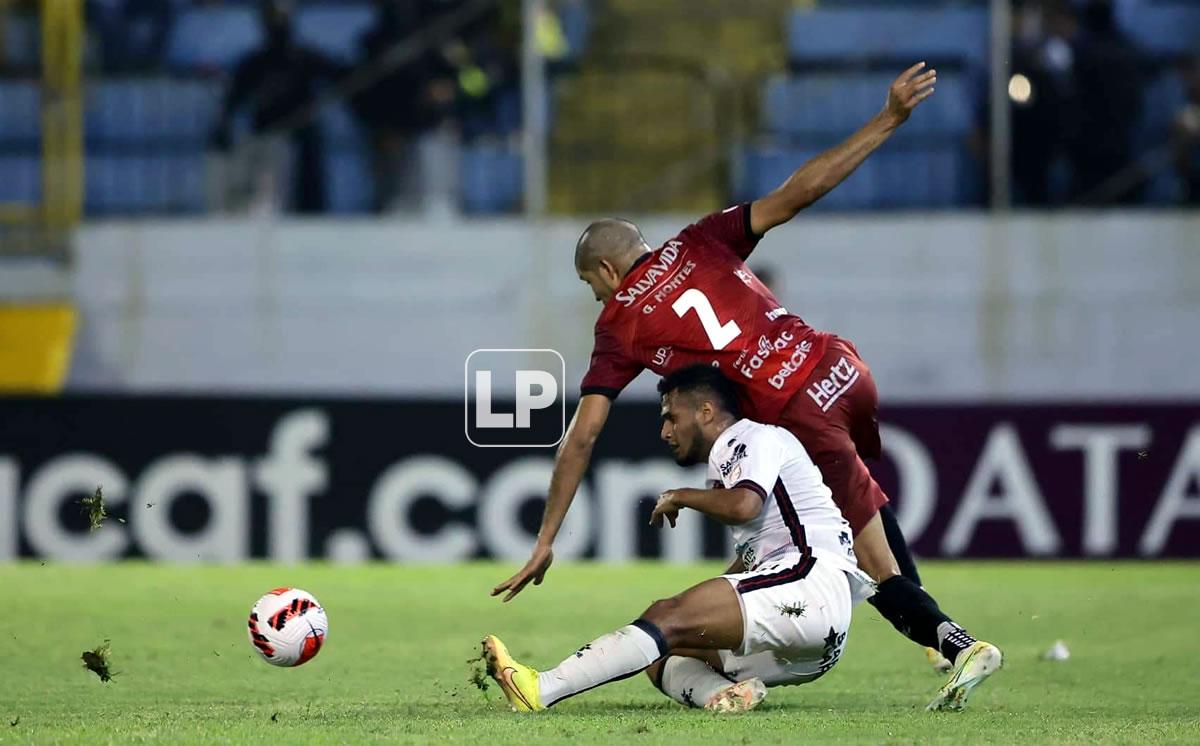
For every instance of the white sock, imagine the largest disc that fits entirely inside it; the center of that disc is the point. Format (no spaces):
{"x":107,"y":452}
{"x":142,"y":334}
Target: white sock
{"x":617,"y":655}
{"x":691,"y":682}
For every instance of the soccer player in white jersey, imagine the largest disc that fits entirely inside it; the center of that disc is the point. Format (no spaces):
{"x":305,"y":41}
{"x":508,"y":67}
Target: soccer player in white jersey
{"x":781,"y":613}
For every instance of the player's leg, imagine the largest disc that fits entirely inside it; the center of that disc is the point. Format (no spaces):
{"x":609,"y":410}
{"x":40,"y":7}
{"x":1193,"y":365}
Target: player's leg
{"x":909,"y":608}
{"x":903,"y":602}
{"x":881,"y":544}
{"x":835,"y":431}
{"x":705,"y":616}
{"x":695,"y":678}
{"x":861,"y":410}
{"x":896,"y":559}
{"x":795,"y":626}
{"x":899,"y":544}
{"x":795,"y":632}
{"x":913,"y":611}
{"x":858,"y":415}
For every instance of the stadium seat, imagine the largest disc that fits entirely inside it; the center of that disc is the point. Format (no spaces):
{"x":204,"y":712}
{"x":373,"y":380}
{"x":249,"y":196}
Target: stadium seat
{"x":120,"y":184}
{"x":492,"y":179}
{"x":576,"y":20}
{"x":1166,"y":29}
{"x":892,"y":3}
{"x":764,"y":168}
{"x":502,"y":116}
{"x":22,"y":182}
{"x":136,"y":110}
{"x":340,"y":128}
{"x":212,"y":37}
{"x":867,"y":32}
{"x":22,"y":41}
{"x":1164,"y":97}
{"x":20,"y":111}
{"x":349,"y":180}
{"x":334,"y":28}
{"x":922,"y":176}
{"x":840,"y":102}
{"x":1164,"y":189}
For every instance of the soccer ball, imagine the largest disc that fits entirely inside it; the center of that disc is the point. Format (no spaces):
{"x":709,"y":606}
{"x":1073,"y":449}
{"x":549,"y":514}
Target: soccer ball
{"x":288,"y":627}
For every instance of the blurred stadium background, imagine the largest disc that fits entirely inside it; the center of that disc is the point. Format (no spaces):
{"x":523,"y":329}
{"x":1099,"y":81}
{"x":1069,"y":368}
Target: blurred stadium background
{"x":246,"y":248}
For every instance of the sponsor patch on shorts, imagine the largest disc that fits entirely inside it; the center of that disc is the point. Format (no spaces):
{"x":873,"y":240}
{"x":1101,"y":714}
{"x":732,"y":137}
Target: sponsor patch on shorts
{"x":827,"y":390}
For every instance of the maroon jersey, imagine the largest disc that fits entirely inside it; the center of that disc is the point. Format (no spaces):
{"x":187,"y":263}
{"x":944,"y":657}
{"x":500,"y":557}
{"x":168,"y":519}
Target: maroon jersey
{"x":694,"y":301}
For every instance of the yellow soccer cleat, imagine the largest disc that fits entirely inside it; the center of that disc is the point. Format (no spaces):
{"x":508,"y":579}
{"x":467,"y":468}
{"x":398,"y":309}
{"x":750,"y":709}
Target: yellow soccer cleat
{"x":518,"y":682}
{"x":743,"y":696}
{"x":938,"y":661}
{"x":971,"y":668}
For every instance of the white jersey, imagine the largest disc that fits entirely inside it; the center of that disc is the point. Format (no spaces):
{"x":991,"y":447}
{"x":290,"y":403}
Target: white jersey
{"x":798,"y":510}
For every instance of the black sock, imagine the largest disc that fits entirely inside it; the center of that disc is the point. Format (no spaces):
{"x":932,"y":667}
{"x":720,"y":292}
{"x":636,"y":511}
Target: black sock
{"x":910,"y":610}
{"x":953,"y":639}
{"x":898,"y":544}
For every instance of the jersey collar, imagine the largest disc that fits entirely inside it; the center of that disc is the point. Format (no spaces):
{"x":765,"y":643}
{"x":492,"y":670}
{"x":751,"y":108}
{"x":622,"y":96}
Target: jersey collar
{"x":645,"y":257}
{"x":627,"y":279}
{"x":731,"y":432}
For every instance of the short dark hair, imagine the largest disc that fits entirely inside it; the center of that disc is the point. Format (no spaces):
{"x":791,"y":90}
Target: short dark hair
{"x":611,"y":239}
{"x":705,"y":380}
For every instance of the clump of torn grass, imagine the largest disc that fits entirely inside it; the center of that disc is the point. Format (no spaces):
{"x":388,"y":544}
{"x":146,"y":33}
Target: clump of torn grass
{"x":94,"y":509}
{"x":98,"y":661}
{"x":478,"y":672}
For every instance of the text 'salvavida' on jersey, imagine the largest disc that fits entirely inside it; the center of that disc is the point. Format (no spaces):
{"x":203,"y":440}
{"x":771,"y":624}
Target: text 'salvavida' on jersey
{"x":694,"y":301}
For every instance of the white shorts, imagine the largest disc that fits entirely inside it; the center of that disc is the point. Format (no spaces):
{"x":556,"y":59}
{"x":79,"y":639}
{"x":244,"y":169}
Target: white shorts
{"x":796,"y":616}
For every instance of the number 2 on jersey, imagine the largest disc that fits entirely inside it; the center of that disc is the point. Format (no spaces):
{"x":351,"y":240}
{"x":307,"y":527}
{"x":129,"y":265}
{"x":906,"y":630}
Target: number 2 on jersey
{"x":718,"y":334}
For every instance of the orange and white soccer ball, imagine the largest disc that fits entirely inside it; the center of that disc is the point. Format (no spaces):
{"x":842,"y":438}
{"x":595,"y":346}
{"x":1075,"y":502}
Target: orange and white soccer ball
{"x":288,"y":627}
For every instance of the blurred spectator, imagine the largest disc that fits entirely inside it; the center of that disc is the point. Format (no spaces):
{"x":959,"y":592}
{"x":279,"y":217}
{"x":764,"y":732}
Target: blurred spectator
{"x":486,"y":60}
{"x":1108,"y":83}
{"x":1076,"y":99}
{"x":1039,"y":95}
{"x":417,"y":113}
{"x":133,"y":33}
{"x":1040,"y":91}
{"x":1187,"y":135}
{"x":409,"y":101}
{"x":1124,"y":10}
{"x":277,"y":83}
{"x":19,"y":35}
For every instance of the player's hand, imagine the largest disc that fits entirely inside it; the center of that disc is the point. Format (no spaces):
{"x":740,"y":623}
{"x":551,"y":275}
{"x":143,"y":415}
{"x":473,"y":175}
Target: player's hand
{"x":912,"y":87}
{"x":665,"y":508}
{"x":535,"y":569}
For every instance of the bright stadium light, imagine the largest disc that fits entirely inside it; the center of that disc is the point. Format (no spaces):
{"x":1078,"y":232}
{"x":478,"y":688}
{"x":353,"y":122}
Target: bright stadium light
{"x":1020,"y":90}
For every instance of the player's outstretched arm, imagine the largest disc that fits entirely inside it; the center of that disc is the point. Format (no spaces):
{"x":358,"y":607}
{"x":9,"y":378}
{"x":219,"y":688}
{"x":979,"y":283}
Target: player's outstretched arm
{"x":819,"y":176}
{"x":733,"y":507}
{"x":570,"y":464}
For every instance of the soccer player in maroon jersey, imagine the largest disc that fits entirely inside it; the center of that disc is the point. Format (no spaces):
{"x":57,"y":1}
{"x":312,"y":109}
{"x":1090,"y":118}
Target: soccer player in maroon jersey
{"x":694,"y":301}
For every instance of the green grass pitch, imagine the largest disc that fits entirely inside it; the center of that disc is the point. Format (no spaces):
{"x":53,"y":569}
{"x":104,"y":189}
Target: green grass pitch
{"x":395,"y":668}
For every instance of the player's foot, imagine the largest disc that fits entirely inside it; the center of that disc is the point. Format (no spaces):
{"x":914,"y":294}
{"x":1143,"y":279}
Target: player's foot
{"x":971,"y":668}
{"x":938,"y":661}
{"x":518,"y":682}
{"x":743,"y":696}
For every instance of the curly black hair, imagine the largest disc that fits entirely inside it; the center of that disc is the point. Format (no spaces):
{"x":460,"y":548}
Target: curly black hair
{"x":705,"y":380}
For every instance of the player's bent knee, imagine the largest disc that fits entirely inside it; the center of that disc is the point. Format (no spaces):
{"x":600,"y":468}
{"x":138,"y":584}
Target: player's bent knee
{"x":665,"y":614}
{"x":662,"y":611}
